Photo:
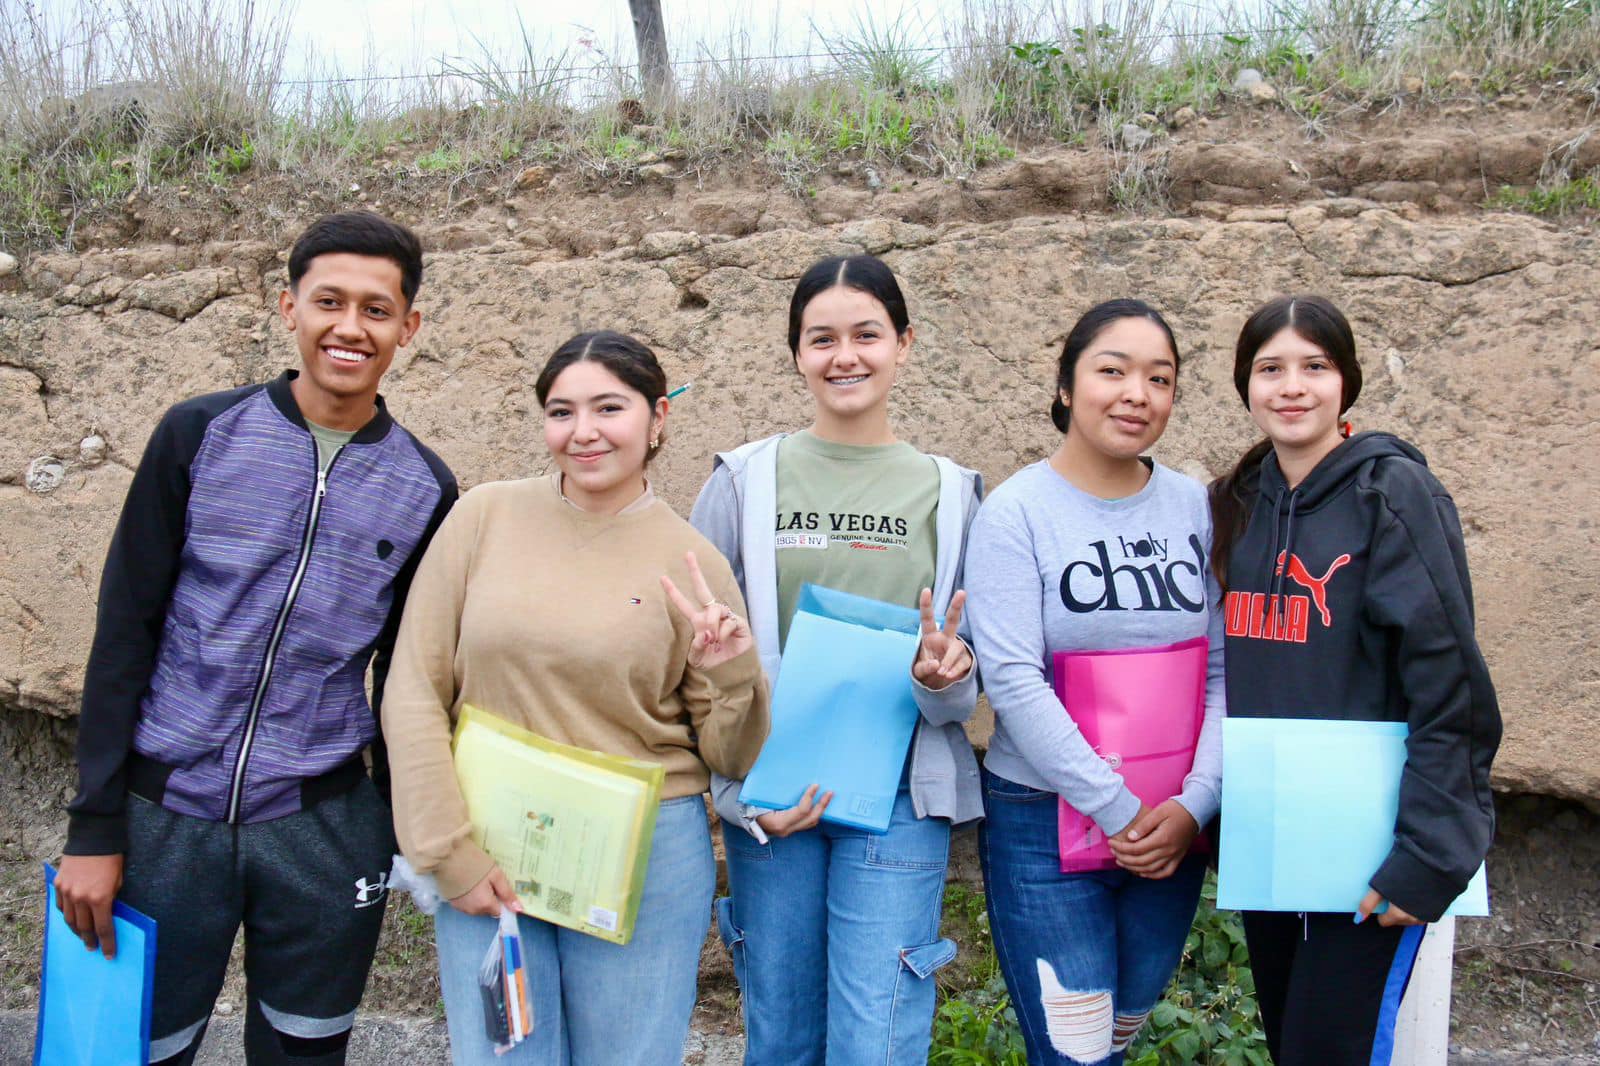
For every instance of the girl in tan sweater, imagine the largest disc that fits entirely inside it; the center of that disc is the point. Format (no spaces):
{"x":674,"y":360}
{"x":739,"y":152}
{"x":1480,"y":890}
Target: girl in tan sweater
{"x":555,"y":602}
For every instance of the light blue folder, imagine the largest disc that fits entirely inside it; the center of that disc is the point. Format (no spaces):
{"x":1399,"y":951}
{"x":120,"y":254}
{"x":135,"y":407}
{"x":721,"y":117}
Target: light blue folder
{"x":94,"y":1011}
{"x":1308,"y":814}
{"x":843,"y":710}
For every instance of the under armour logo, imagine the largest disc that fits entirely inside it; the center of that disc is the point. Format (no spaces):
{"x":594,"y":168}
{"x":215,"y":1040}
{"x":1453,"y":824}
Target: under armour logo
{"x":370,"y":892}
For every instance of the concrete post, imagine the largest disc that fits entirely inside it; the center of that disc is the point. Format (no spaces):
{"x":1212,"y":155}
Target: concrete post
{"x":1422,"y":1032}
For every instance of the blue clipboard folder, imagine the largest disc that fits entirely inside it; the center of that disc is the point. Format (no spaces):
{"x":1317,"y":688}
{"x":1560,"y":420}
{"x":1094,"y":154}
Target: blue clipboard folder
{"x":94,"y":1011}
{"x":843,"y":711}
{"x":1308,"y":814}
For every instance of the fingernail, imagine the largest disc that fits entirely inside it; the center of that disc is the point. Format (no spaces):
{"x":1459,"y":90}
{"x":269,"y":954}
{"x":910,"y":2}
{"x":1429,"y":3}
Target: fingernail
{"x":1359,"y":916}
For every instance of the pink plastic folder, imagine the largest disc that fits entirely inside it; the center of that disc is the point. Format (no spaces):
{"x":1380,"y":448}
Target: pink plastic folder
{"x":1141,"y":710}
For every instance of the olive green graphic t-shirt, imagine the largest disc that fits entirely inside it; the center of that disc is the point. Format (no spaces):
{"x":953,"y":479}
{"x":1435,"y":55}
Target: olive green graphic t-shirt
{"x":858,"y":518}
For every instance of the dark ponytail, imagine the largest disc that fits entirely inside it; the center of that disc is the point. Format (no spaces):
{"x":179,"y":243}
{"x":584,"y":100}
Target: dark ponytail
{"x":1233,"y":497}
{"x":1315,"y":319}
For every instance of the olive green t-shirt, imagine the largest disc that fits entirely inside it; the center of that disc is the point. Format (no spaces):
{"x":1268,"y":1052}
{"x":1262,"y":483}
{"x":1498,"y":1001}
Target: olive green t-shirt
{"x":858,"y":518}
{"x":329,"y":441}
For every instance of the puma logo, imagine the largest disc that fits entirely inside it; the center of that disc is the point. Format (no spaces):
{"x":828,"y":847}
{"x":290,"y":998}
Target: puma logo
{"x":1317,"y":586}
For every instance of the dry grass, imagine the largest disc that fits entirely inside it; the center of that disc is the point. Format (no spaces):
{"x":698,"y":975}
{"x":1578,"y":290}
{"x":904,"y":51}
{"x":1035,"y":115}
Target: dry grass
{"x":103,"y":98}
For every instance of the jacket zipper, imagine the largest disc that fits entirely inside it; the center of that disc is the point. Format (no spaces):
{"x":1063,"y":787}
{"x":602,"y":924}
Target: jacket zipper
{"x":236,"y":790}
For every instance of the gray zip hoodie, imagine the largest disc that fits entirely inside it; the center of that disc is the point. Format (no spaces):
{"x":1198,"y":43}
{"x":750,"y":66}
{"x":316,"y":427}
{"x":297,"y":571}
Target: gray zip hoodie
{"x":736,"y":511}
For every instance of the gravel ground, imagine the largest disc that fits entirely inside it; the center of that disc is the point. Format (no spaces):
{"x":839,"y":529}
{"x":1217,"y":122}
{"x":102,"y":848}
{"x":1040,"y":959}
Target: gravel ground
{"x":379,"y":1041}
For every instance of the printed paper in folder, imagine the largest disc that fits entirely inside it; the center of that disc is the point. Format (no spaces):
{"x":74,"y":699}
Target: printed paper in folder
{"x":571,"y":828}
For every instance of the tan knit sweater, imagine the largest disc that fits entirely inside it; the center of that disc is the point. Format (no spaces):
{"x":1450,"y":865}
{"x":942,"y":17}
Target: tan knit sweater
{"x":555,"y":619}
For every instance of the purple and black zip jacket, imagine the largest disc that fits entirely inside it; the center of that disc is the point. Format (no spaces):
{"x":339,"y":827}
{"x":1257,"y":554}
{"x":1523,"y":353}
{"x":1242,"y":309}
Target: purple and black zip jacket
{"x":243,"y":598}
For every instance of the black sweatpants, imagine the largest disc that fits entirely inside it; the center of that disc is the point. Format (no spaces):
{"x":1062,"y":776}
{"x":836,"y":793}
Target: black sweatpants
{"x":1329,"y":990}
{"x":309,"y":889}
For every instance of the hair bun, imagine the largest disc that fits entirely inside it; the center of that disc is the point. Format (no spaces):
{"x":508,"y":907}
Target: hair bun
{"x":1060,"y":414}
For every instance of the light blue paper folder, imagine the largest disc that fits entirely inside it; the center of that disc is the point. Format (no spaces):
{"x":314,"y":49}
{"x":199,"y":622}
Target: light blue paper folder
{"x":842,"y":711}
{"x":1308,"y":814}
{"x":95,"y":1012}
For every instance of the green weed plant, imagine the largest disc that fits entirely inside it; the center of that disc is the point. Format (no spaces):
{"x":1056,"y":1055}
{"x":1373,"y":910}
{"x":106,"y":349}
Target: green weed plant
{"x":103,"y":98}
{"x":1207,"y":1017}
{"x":1557,"y":198}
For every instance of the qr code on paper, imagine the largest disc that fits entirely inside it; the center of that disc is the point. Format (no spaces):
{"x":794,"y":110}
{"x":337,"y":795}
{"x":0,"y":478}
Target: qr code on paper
{"x":560,"y":901}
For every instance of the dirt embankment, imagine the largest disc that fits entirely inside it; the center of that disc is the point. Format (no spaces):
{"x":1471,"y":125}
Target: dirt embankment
{"x":1477,"y":331}
{"x":1444,"y":158}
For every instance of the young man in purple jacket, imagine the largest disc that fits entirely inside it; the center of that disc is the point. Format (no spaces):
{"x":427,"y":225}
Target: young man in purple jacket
{"x":259,"y":566}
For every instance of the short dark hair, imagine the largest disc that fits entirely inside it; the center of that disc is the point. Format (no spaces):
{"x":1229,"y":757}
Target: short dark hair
{"x":630,"y":360}
{"x":864,"y":273}
{"x":360,"y":233}
{"x":1090,"y":326}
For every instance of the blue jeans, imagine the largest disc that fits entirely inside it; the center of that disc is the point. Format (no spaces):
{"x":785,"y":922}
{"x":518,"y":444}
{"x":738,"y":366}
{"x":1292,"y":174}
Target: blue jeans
{"x":595,"y":1001}
{"x":835,"y":940}
{"x":1085,"y":956}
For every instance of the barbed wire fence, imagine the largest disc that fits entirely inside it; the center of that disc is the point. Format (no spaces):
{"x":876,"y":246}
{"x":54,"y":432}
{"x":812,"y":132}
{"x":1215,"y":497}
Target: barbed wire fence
{"x":605,"y":68}
{"x":592,"y":78}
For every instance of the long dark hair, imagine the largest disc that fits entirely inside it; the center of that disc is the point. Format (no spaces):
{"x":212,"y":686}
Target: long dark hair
{"x":1317,"y":321}
{"x":864,"y":273}
{"x":1095,"y":320}
{"x":629,"y":360}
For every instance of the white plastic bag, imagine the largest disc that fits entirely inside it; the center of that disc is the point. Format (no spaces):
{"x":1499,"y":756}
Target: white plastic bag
{"x":423,"y":888}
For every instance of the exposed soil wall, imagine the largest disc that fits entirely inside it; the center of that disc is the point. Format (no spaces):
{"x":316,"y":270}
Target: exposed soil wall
{"x":1477,"y":331}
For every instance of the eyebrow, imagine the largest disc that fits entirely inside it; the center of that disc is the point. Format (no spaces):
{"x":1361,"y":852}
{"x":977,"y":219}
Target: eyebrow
{"x":593,"y":399}
{"x":1282,"y":358}
{"x":1124,"y":355}
{"x":864,"y":322}
{"x":329,"y":289}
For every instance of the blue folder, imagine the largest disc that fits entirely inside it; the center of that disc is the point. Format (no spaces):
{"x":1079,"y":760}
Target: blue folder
{"x":94,"y":1011}
{"x":843,"y":711}
{"x":1308,"y":814}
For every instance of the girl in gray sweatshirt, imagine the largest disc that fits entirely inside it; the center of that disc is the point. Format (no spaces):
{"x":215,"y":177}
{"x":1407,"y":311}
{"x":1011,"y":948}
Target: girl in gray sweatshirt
{"x":1094,"y":549}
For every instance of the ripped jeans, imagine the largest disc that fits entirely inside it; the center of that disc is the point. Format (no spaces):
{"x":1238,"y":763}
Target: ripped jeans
{"x":835,"y":939}
{"x":1085,"y":956}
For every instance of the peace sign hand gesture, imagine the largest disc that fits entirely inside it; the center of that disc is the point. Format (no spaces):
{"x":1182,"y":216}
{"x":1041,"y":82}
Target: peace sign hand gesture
{"x":719,"y":633}
{"x":943,"y":657}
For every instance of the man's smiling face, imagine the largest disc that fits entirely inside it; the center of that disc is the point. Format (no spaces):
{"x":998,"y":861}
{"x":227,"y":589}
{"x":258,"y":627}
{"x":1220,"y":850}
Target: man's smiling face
{"x":348,"y":315}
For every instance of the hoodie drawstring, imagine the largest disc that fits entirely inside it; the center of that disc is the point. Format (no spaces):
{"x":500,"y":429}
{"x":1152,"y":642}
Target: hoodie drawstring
{"x":1277,"y":580}
{"x":1288,"y":540}
{"x":1272,"y":556}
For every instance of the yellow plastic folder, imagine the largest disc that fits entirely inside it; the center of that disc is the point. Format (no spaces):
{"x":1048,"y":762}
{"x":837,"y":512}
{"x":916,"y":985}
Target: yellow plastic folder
{"x":571,"y":828}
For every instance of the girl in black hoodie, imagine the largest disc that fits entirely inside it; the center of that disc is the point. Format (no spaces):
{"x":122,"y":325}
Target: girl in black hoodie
{"x":1347,"y":596}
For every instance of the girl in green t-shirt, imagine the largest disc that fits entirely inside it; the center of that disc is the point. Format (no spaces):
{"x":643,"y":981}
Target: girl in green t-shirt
{"x":835,"y":931}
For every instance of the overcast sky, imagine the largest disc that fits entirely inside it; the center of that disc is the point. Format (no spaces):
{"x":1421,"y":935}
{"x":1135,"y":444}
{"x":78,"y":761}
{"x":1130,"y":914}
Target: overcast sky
{"x":409,"y":36}
{"x":385,"y":38}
